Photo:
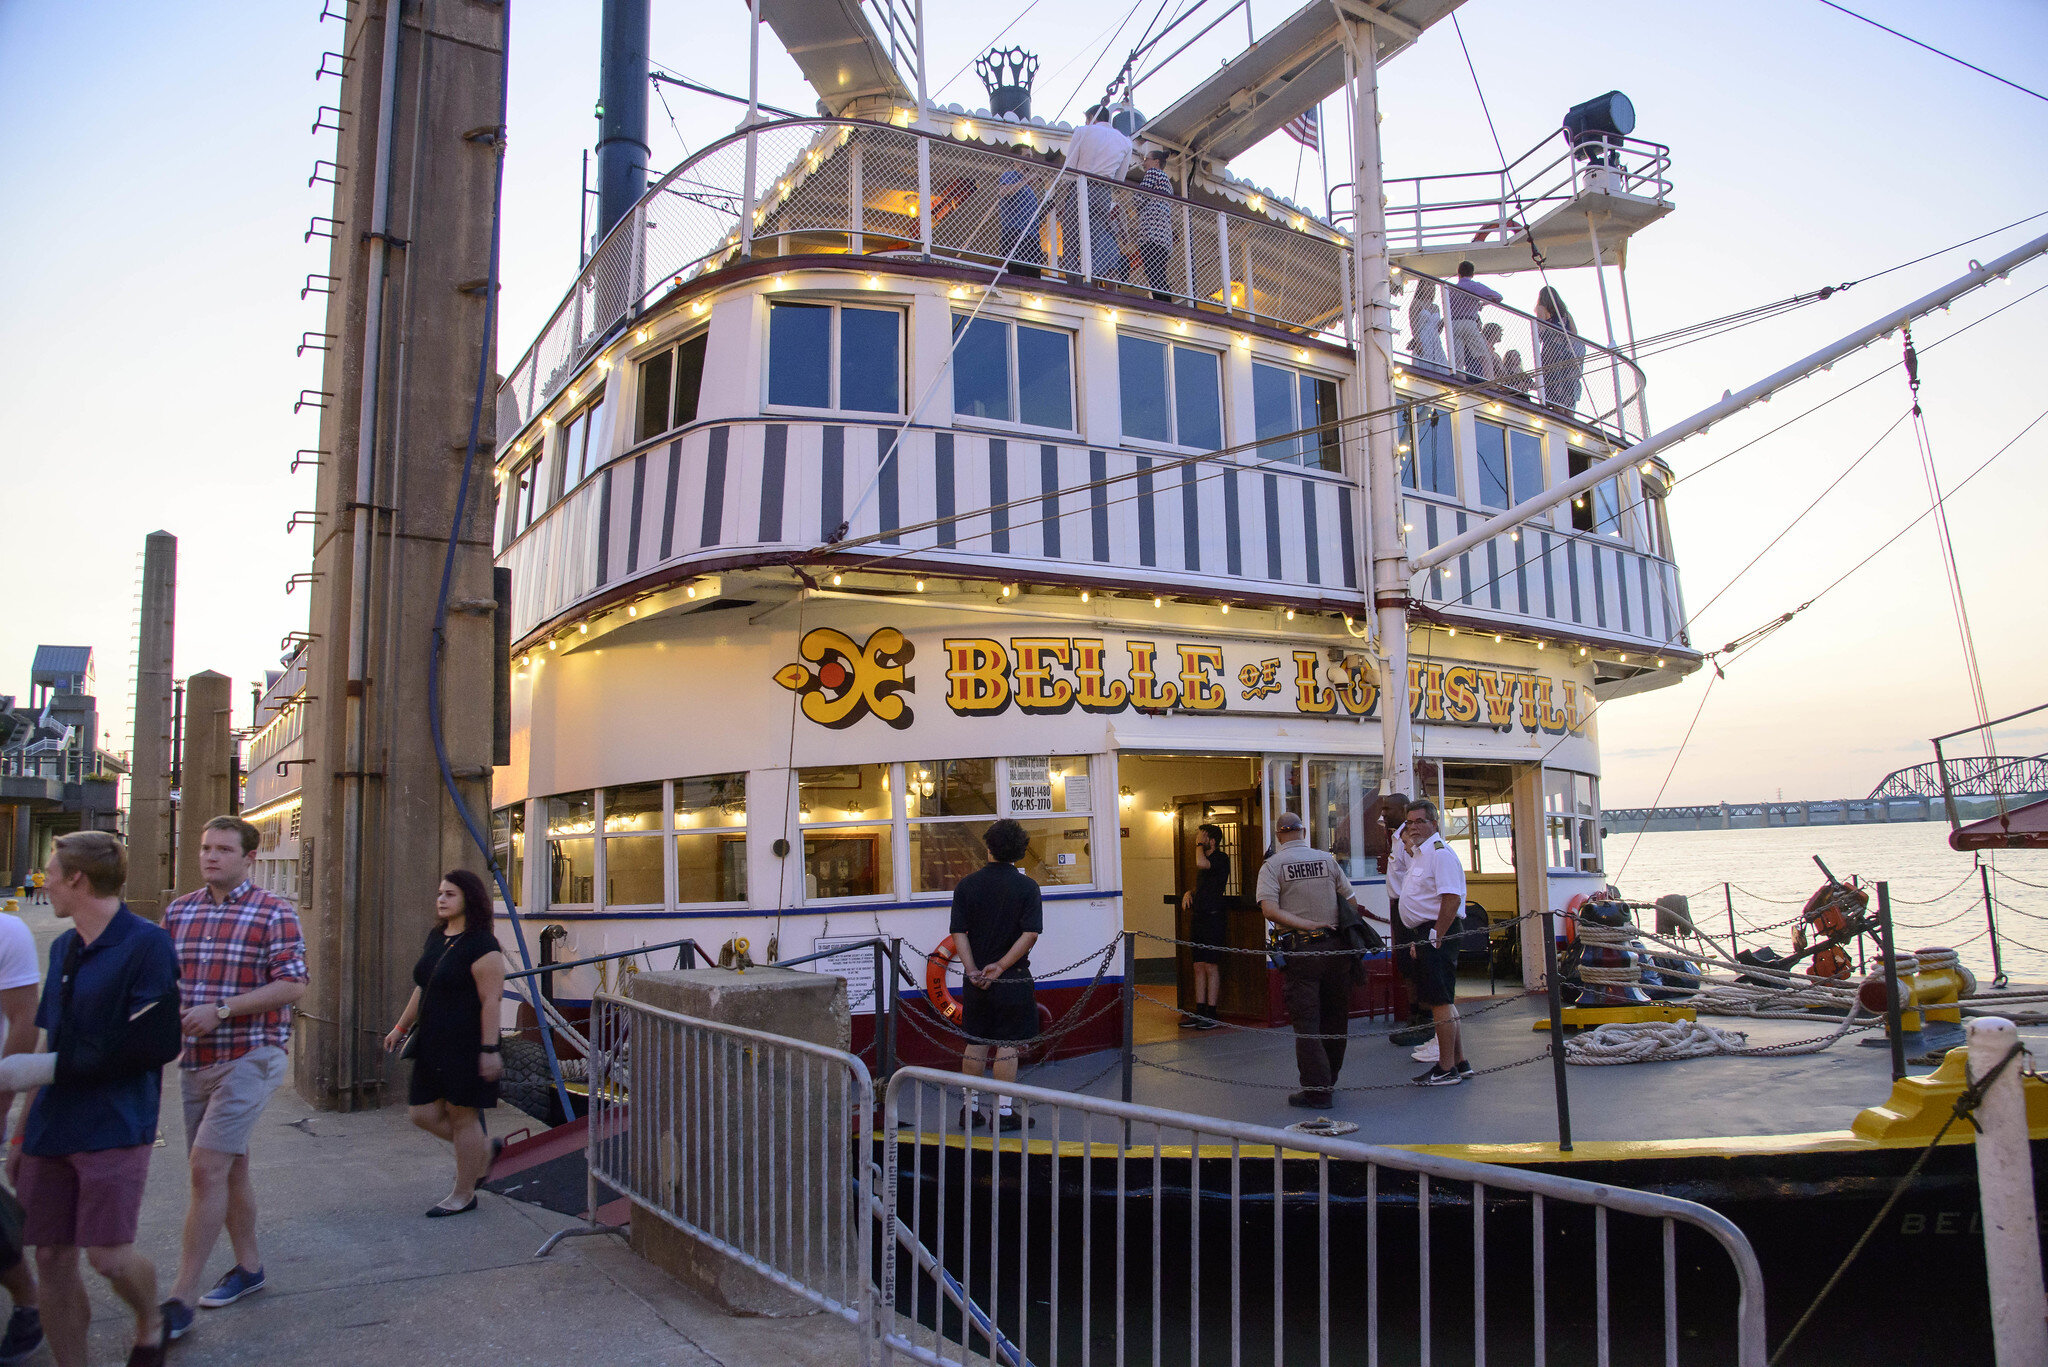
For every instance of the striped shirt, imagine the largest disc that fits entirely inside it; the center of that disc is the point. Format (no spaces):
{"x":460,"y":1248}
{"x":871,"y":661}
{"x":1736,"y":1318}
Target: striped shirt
{"x":230,"y":947}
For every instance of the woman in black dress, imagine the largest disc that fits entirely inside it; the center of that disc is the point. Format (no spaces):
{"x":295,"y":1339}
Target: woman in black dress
{"x":455,"y":1063}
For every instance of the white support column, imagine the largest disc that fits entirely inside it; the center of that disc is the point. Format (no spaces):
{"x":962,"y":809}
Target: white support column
{"x":2005,"y":1189}
{"x":753,"y":138}
{"x":1375,"y":353}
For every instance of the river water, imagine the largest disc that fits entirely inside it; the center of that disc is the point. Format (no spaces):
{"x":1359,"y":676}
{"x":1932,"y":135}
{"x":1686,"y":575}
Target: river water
{"x":1936,"y":893}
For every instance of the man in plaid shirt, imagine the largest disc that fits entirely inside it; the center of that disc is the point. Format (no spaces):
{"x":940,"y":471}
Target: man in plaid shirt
{"x":242,"y":963}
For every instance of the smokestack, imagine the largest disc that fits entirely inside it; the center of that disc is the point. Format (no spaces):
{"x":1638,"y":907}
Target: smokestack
{"x":622,"y":111}
{"x":149,"y":776}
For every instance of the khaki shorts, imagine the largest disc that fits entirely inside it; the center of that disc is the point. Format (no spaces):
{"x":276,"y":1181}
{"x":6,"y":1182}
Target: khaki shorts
{"x":222,"y":1102}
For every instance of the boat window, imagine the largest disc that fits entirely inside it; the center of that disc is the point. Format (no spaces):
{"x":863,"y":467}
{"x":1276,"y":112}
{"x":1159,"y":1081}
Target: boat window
{"x":1597,"y":509}
{"x":1285,"y":400}
{"x":669,"y":387}
{"x":845,"y":812}
{"x":1571,"y":811}
{"x":835,"y":356}
{"x":633,"y":824}
{"x":1655,"y":526}
{"x":1171,"y":394}
{"x":711,"y":839}
{"x":518,"y":498}
{"x":508,"y":845}
{"x":1510,"y":464}
{"x":1005,"y":371}
{"x":572,"y":849}
{"x":579,"y":457}
{"x":1341,"y":793}
{"x":1428,"y":463}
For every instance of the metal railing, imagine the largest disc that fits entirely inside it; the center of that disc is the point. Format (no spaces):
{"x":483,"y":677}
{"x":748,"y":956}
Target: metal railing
{"x":850,"y":187}
{"x":1454,"y":210}
{"x":1105,"y":1232}
{"x":1448,"y":333}
{"x":750,"y":1143}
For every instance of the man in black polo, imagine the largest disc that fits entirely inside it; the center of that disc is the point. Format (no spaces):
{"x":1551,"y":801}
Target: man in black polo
{"x":997,"y":917}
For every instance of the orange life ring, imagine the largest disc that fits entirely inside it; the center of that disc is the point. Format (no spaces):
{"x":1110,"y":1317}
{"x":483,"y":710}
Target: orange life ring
{"x":935,"y":965}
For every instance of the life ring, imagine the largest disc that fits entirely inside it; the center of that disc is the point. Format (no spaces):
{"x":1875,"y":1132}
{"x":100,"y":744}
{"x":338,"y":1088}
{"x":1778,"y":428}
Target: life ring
{"x":1571,"y":917}
{"x":935,"y":990}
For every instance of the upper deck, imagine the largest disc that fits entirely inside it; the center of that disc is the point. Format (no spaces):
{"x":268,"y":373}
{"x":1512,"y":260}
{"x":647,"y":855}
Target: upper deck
{"x":1198,"y":428}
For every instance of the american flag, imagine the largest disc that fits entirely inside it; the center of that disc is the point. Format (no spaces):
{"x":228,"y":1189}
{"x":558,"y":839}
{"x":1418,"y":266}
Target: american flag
{"x":1307,"y":130}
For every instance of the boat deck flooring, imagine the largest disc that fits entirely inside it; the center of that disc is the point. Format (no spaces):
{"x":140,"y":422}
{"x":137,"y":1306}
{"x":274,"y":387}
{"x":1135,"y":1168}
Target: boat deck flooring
{"x":1245,"y":1074}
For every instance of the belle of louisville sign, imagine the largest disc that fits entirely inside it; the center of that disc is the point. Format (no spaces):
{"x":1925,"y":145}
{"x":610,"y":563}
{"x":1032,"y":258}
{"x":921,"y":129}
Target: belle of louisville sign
{"x":841,"y":681}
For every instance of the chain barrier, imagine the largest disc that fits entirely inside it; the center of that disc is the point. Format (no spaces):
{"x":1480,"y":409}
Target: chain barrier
{"x":1061,"y":1027}
{"x":2001,"y":873}
{"x":1930,"y":901}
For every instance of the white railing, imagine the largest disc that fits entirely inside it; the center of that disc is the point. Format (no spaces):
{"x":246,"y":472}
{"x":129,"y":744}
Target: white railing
{"x":1463,"y":338}
{"x":1106,"y":1232}
{"x":1443,"y":213}
{"x":840,"y":187}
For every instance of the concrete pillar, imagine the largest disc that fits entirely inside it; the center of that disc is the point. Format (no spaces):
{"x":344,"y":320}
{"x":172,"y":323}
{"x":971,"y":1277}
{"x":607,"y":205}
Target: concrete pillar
{"x":378,"y":826}
{"x":1727,"y":818}
{"x":763,"y":1111}
{"x":149,"y":776}
{"x":209,"y":779}
{"x":1532,"y":867}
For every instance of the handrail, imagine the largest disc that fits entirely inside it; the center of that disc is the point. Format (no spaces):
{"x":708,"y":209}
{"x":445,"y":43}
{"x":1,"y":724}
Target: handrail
{"x":856,"y":180}
{"x":698,"y":951}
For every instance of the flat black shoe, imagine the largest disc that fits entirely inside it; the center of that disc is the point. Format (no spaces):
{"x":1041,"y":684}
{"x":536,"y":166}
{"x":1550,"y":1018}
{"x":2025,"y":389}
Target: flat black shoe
{"x":1310,"y":1100}
{"x":442,"y":1212}
{"x":1190,"y":1022}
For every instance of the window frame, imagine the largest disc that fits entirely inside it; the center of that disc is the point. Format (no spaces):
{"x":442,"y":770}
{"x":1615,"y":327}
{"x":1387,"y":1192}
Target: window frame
{"x":1329,"y":443}
{"x":833,"y":354}
{"x":583,"y":418}
{"x":1576,"y":814}
{"x":1586,"y":505}
{"x":1509,"y":433}
{"x":1173,"y":414}
{"x":673,"y":351}
{"x":665,"y":831}
{"x":1405,"y":425}
{"x":1014,"y":364}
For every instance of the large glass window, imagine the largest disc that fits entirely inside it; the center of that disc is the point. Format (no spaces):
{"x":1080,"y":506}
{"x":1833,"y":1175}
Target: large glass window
{"x":1656,"y":529}
{"x":1429,"y":464}
{"x":633,"y":873}
{"x":669,"y":386}
{"x":572,"y":849}
{"x":1571,"y":811}
{"x":1284,"y":401}
{"x":711,"y":838}
{"x":1005,"y":371}
{"x":1510,"y":464}
{"x":578,"y":459}
{"x":949,"y":804}
{"x":835,"y":356}
{"x":1171,"y":394}
{"x":845,"y":814}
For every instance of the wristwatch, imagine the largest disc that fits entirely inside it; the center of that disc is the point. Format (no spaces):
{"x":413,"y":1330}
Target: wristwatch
{"x":221,"y":1009}
{"x":490,"y":1048}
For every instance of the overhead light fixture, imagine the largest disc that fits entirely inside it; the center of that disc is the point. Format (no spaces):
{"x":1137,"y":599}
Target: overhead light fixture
{"x":920,"y":586}
{"x":583,"y":628}
{"x":1454,"y":631}
{"x":1660,"y":662}
{"x":837,"y":578}
{"x":551,"y":643}
{"x":632,"y":611}
{"x":1125,"y":795}
{"x":640,"y":335}
{"x":1158,"y":602}
{"x":1514,"y":536}
{"x":1110,"y":314}
{"x":1539,"y":645}
{"x":1496,"y":638}
{"x":1582,"y":650}
{"x":1624,"y":659}
{"x":1290,"y":614}
{"x":1084,"y":595}
{"x":1226,"y":609}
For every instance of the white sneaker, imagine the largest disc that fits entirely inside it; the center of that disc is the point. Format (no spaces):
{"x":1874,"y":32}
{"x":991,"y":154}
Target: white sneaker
{"x":1426,"y":1054}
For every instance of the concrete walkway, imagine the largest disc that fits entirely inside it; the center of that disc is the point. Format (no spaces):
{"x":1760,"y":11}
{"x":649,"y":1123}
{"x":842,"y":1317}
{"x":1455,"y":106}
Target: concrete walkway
{"x":358,"y":1275}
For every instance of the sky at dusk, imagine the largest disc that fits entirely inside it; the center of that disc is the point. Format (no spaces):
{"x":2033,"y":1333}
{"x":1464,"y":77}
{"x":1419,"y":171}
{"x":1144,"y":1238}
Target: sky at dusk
{"x":156,"y":161}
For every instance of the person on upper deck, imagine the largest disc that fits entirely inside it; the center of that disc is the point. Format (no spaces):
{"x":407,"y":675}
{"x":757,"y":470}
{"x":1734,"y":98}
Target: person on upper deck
{"x":1560,"y":351}
{"x":1155,"y":224}
{"x":1017,"y":215}
{"x":1100,"y":148}
{"x":1426,"y":325}
{"x":1463,"y":301}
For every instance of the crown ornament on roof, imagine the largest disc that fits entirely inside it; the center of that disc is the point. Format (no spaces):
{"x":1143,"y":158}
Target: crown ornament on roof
{"x":1008,"y":73}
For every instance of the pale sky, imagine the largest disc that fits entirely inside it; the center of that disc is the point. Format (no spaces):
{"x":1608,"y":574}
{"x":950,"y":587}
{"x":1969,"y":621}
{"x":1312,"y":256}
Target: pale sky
{"x":155,"y":161}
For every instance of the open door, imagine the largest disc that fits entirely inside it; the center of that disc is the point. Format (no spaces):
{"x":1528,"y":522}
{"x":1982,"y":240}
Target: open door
{"x":1243,"y":991}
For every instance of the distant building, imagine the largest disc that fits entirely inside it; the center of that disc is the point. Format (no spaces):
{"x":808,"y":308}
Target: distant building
{"x":270,"y":781}
{"x":54,"y":776}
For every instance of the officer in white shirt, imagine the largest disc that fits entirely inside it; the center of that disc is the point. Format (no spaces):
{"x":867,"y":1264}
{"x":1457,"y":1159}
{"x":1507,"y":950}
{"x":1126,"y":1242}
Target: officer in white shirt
{"x":1432,"y":895}
{"x":1100,"y":148}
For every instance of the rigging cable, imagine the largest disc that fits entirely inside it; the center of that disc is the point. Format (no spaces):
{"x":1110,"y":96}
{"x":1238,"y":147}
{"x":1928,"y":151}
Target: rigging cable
{"x":1948,"y":546}
{"x":1935,"y":50}
{"x":1521,"y":209}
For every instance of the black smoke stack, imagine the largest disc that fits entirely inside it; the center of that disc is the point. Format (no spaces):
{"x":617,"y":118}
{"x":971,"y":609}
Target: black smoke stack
{"x":622,"y":150}
{"x":1008,"y":73}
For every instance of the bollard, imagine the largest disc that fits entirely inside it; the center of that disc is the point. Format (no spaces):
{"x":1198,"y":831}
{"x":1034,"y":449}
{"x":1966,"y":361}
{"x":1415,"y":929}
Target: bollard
{"x":2005,"y":1193}
{"x":1557,"y":1063}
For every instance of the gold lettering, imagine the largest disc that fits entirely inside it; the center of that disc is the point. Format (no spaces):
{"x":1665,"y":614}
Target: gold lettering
{"x":1461,"y":693}
{"x":1037,"y":690}
{"x":1197,"y":690}
{"x":1094,"y":696}
{"x":1499,"y":690}
{"x":1432,"y":692}
{"x":977,"y":676}
{"x":1526,"y":685}
{"x":1309,"y":696}
{"x":1552,"y":717}
{"x":1146,"y":691}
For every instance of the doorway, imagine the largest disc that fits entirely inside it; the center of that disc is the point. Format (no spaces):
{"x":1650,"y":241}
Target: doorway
{"x":1164,"y":800}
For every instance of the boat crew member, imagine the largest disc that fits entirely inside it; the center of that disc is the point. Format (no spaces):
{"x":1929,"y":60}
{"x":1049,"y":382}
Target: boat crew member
{"x":1463,"y":302}
{"x":1432,"y":895}
{"x":1300,"y":889}
{"x":997,"y":917}
{"x":1208,"y":929}
{"x":1100,"y":148}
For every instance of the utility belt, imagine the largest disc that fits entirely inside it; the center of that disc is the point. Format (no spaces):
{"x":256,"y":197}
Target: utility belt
{"x":1288,"y":942}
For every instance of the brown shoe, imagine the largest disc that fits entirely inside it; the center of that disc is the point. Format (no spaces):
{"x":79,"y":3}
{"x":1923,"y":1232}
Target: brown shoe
{"x":153,"y":1355}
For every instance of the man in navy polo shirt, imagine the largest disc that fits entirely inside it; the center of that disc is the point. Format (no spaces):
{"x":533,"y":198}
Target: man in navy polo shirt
{"x":85,"y":1159}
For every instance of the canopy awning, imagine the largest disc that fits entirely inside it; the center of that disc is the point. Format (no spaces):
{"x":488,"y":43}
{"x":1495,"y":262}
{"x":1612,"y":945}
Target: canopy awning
{"x":2022,"y":828}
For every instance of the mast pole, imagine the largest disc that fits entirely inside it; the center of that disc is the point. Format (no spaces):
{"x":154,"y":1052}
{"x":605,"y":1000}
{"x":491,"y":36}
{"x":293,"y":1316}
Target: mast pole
{"x":1390,"y":569}
{"x":1731,"y":404}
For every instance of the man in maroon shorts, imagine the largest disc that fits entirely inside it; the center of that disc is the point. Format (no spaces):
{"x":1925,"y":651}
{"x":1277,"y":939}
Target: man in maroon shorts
{"x":81,"y":1163}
